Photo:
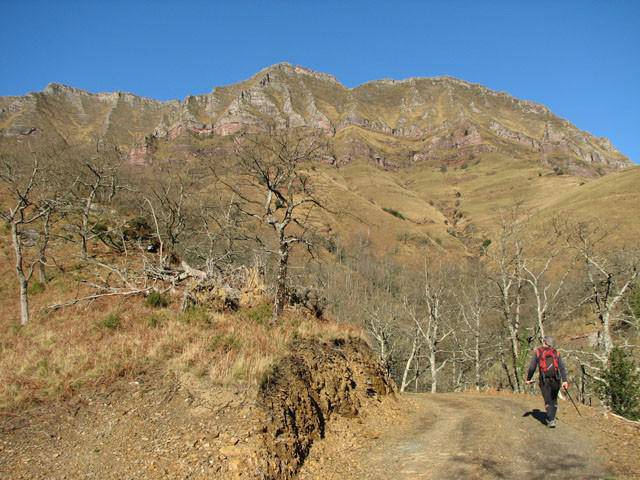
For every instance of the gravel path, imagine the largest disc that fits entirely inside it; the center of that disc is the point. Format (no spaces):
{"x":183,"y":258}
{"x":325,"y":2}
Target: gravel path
{"x":454,"y":436}
{"x":470,"y":436}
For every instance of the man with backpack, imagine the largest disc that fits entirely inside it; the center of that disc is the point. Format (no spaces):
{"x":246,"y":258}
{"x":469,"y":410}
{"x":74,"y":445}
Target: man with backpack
{"x":552,"y":373}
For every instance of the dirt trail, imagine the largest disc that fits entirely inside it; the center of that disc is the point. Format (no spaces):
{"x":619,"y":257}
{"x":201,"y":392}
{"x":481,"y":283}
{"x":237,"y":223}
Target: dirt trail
{"x":151,"y":428}
{"x":473,"y":436}
{"x":168,"y":429}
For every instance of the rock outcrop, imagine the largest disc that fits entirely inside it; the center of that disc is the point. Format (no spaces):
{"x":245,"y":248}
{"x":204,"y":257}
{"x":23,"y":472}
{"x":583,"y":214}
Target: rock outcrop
{"x":512,"y":136}
{"x":452,"y":119}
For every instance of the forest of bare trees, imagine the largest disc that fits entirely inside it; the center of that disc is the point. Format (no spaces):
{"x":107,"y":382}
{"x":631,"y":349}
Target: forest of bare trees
{"x":440,"y":324}
{"x":472,"y":324}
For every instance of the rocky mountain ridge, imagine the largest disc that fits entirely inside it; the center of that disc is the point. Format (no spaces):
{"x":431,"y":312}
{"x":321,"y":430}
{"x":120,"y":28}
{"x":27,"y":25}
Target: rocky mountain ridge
{"x":391,"y":122}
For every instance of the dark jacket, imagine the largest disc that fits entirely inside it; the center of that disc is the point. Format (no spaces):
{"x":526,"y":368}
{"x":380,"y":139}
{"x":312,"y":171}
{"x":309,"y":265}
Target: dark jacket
{"x":534,"y":364}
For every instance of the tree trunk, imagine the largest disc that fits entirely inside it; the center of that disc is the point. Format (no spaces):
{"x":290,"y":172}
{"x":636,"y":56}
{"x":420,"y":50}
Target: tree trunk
{"x":505,"y":367}
{"x":42,"y":272}
{"x":83,"y":244}
{"x":477,"y":355}
{"x":540,"y":311}
{"x":405,"y":383}
{"x":281,"y":282}
{"x":606,"y":340}
{"x":515,"y":353}
{"x":516,"y":336}
{"x":84,"y":233}
{"x":434,"y":371}
{"x":22,"y":279}
{"x":42,"y":262}
{"x":582,"y":384}
{"x":382,"y":343}
{"x":512,"y":322}
{"x":24,"y":302}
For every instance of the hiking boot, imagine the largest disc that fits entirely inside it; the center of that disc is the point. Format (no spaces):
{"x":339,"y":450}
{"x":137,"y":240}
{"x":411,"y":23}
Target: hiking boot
{"x":551,"y":423}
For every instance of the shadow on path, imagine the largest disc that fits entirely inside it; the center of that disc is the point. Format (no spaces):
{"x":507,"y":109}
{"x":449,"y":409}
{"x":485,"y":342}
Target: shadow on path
{"x":538,"y":415}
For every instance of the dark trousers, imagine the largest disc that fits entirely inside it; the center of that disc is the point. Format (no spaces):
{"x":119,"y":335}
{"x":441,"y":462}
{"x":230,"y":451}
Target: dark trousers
{"x":550,"y":388}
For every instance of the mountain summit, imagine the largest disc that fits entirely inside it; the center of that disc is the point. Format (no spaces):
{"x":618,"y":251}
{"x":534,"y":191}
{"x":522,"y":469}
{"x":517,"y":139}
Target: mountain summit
{"x":393,"y":123}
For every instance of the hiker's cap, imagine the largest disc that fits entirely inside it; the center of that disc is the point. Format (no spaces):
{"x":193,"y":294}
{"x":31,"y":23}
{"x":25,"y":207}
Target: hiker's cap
{"x":549,"y":341}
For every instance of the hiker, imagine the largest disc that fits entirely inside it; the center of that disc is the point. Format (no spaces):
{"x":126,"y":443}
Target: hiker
{"x":552,"y":371}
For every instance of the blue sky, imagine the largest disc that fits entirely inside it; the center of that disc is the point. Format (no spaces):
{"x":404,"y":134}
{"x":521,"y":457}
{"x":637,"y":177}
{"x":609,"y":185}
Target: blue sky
{"x":580,"y":58}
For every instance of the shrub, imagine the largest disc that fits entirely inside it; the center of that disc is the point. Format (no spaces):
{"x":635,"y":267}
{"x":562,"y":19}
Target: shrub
{"x":224,"y":342}
{"x":395,"y":213}
{"x":35,"y":288}
{"x":260,"y":314}
{"x":330,"y":245}
{"x":111,"y":321}
{"x":486,"y":243}
{"x":620,"y":385}
{"x":195,"y":315}
{"x":421,"y":240}
{"x":634,"y":301}
{"x":42,"y":367}
{"x":157,"y":300}
{"x":415,"y":238}
{"x":155,"y":320}
{"x":99,"y":228}
{"x":404,"y":237}
{"x":137,"y":229}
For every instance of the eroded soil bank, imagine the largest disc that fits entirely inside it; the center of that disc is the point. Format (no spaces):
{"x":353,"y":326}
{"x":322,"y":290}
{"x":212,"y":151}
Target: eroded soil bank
{"x":306,"y":390}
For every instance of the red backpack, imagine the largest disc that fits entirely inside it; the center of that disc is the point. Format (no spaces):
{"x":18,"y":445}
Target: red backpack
{"x":548,"y":361}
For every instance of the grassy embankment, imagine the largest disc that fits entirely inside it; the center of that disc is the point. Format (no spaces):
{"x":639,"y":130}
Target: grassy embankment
{"x":93,"y":345}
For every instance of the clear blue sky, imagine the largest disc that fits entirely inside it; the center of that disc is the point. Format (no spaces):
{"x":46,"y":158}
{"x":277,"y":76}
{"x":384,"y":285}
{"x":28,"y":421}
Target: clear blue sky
{"x":580,"y":58}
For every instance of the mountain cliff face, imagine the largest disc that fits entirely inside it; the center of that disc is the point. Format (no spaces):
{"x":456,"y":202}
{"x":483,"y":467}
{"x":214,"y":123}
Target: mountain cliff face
{"x":391,"y":123}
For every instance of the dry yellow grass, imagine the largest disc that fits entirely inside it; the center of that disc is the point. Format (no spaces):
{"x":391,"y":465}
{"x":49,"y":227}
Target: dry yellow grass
{"x":90,"y":346}
{"x":58,"y":354}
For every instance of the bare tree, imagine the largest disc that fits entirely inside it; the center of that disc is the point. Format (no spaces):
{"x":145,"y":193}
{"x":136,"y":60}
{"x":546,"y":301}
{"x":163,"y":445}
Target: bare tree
{"x":430,"y":319}
{"x":27,"y":208}
{"x":414,"y":354}
{"x":380,"y":324}
{"x":97,"y":183}
{"x":545,"y":285}
{"x":275,"y":188}
{"x":48,"y":209}
{"x":609,"y":277}
{"x":632,"y":308}
{"x":218,"y":239}
{"x":507,"y":259}
{"x":472,"y":304}
{"x":168,"y":209}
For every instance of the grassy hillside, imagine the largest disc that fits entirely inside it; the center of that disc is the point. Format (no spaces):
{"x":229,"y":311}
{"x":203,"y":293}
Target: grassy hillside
{"x":408,"y":170}
{"x":62,"y":352}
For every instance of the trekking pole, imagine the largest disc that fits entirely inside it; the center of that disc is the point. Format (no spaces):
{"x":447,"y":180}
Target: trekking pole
{"x":574,"y":403}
